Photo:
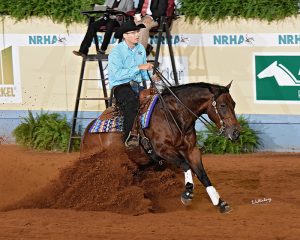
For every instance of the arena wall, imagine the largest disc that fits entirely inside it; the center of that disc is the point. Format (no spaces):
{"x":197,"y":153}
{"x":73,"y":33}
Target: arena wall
{"x":39,"y":72}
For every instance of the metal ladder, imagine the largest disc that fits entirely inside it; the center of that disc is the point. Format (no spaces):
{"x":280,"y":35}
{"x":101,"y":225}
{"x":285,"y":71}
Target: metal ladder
{"x":90,"y":57}
{"x":164,"y":27}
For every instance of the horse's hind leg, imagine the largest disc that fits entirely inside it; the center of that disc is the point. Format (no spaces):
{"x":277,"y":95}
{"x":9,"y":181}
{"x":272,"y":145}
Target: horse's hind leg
{"x":195,"y":161}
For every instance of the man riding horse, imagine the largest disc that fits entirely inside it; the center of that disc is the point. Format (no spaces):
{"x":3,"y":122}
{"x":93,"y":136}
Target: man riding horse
{"x":127,"y":68}
{"x":174,"y":139}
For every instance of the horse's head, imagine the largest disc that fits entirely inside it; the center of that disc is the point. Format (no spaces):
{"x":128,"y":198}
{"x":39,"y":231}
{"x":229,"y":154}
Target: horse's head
{"x":221,"y":112}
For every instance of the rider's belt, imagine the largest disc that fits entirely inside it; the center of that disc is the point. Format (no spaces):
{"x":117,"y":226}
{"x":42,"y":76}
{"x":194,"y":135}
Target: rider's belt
{"x":134,"y":83}
{"x":135,"y":86}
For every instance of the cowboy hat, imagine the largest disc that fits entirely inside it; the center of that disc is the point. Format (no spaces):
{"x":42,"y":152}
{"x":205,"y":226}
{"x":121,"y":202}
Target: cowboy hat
{"x":127,"y":27}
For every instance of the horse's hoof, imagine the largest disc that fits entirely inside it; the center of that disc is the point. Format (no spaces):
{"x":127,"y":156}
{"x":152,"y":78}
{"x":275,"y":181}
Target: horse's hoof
{"x":186,"y":202}
{"x":187,"y":197}
{"x":224,"y":207}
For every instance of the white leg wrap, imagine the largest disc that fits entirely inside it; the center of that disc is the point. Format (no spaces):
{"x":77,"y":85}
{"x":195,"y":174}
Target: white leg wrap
{"x":213,"y":194}
{"x":188,"y":177}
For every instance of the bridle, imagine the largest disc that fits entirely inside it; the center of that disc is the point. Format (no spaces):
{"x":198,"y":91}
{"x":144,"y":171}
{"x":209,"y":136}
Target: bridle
{"x":222,"y":128}
{"x":202,"y":119}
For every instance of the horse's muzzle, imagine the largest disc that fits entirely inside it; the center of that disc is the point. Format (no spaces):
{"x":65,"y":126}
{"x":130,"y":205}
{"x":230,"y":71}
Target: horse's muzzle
{"x":235,"y":134}
{"x":232,"y":133}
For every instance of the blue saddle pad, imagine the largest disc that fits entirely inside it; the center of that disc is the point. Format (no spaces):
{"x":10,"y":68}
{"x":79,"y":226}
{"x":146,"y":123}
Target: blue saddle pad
{"x":145,"y":117}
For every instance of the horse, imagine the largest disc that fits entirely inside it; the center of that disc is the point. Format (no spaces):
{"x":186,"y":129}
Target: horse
{"x":282,"y":75}
{"x":172,"y":132}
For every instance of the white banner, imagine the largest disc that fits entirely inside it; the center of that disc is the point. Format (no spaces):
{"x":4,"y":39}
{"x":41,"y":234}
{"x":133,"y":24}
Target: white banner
{"x":206,"y":40}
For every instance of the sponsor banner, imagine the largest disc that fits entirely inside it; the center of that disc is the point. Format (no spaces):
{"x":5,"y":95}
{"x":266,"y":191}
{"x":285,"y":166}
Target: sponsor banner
{"x":277,"y":77}
{"x":10,"y":85}
{"x":184,"y":40}
{"x":182,"y":69}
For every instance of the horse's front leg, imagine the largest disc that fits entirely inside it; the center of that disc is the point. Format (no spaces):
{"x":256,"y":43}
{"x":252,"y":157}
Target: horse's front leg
{"x":187,"y":195}
{"x":195,"y":162}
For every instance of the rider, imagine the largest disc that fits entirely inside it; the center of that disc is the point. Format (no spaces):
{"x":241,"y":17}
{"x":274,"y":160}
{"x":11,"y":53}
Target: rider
{"x":127,"y":64}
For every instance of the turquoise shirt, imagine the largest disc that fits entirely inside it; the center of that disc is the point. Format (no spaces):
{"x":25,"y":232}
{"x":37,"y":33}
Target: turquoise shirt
{"x":123,"y":64}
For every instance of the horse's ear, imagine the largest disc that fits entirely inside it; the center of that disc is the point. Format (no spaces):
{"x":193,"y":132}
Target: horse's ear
{"x":229,"y":85}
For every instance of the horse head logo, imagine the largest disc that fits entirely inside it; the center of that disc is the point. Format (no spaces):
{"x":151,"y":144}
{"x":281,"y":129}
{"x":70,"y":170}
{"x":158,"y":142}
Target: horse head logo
{"x":281,"y":74}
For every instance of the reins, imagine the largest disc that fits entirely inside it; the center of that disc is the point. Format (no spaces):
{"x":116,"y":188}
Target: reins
{"x":202,"y":119}
{"x":164,"y":105}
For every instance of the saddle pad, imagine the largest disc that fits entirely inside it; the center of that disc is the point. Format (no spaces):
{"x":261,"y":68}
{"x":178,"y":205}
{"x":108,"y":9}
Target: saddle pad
{"x":146,"y":116}
{"x":114,"y":124}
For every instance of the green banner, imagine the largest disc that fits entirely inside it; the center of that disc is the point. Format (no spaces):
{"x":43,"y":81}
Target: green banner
{"x":277,"y":77}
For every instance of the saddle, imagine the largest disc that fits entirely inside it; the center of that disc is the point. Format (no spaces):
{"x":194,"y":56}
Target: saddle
{"x":111,"y":120}
{"x":145,"y":98}
{"x":110,"y":113}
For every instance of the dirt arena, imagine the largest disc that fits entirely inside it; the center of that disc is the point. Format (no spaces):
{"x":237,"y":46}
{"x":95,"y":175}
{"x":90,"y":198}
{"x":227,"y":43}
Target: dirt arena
{"x":58,"y":196}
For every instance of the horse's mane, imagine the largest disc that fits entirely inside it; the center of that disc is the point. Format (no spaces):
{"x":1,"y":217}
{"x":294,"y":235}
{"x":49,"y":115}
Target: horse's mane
{"x":215,"y":89}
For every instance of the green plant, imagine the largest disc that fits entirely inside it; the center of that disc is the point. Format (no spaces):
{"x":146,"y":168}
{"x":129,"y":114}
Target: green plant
{"x":67,"y":11}
{"x":47,"y":131}
{"x":214,"y":143}
{"x":215,"y":10}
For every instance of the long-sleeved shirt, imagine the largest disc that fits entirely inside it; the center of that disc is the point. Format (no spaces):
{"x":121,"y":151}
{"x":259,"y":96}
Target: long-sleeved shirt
{"x":123,"y":64}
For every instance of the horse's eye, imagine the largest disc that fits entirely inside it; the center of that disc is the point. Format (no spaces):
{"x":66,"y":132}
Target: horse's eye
{"x":223,"y":105}
{"x":223,"y":108}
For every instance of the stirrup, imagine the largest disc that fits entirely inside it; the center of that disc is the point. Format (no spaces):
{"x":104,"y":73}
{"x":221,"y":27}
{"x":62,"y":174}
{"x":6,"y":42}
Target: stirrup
{"x":131,"y":141}
{"x":145,"y":142}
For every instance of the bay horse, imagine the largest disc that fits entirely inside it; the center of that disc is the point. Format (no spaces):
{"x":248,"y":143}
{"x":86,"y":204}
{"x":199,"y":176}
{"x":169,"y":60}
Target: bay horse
{"x":172,"y":132}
